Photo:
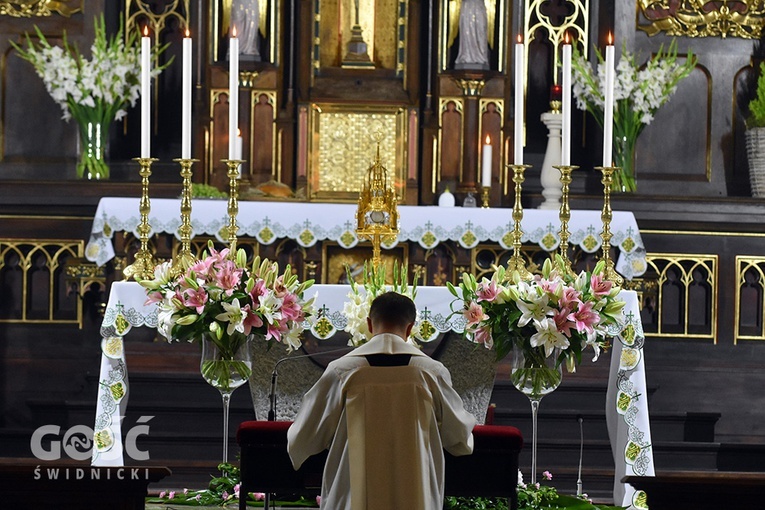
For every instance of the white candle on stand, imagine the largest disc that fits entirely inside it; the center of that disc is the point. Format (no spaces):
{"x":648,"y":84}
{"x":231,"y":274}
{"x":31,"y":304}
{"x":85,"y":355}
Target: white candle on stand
{"x":186,"y":94}
{"x":486,"y":164}
{"x":145,"y":94}
{"x":565,"y":157}
{"x":518,"y":148}
{"x":233,"y":93}
{"x":608,"y":108}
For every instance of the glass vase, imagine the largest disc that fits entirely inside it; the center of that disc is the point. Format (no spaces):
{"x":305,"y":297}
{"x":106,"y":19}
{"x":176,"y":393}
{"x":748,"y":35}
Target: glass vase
{"x":226,"y":365}
{"x":535,"y":375}
{"x":624,"y":158}
{"x":93,"y":139}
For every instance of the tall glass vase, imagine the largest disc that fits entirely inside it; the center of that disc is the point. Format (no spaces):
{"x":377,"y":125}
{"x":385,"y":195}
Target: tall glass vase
{"x":535,"y":375}
{"x":226,"y":364}
{"x":93,"y":139}
{"x":624,"y":158}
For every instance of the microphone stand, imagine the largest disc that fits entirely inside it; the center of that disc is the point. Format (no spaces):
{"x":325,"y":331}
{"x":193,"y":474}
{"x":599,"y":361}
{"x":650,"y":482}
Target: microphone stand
{"x":272,"y":398}
{"x":581,"y":452}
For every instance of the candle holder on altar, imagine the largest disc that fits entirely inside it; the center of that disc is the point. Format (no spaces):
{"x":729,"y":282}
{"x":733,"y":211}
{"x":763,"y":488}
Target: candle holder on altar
{"x":143,"y":266}
{"x":565,"y":213}
{"x":516,"y":262}
{"x":606,"y":216}
{"x":377,"y":213}
{"x":184,"y":259}
{"x":485,"y":196}
{"x":233,"y":166}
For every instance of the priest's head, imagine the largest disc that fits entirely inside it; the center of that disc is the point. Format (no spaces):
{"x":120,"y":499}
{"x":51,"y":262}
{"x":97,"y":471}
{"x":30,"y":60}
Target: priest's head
{"x":392,"y":312}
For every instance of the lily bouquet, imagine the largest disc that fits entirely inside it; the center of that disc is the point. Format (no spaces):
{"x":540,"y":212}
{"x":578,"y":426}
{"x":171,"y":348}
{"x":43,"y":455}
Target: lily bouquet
{"x":356,"y":309}
{"x":95,"y":92}
{"x":553,"y":313}
{"x":639,"y":92}
{"x":227,"y":300}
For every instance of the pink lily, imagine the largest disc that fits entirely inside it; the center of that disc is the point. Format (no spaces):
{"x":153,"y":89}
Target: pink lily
{"x":487,"y":290}
{"x":474,"y":313}
{"x":599,"y":286}
{"x":195,"y":298}
{"x":585,"y":318}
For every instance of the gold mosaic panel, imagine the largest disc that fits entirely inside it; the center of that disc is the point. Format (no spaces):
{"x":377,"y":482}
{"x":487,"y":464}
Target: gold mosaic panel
{"x":344,"y":142}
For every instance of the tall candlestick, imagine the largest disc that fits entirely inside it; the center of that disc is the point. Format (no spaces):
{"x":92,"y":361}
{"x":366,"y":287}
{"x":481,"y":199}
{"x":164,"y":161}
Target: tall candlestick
{"x":186,"y":114}
{"x":565,"y":157}
{"x":145,"y":94}
{"x":233,"y":93}
{"x":486,"y":163}
{"x":518,"y":157}
{"x":608,"y":108}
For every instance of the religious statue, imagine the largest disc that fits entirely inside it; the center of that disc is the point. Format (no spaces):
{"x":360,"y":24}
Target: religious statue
{"x":245,"y":16}
{"x":474,"y":21}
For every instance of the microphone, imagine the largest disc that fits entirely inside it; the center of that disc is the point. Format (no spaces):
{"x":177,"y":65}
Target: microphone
{"x":581,"y":452}
{"x":275,"y":375}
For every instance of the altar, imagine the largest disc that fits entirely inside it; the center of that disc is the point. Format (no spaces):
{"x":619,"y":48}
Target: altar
{"x":311,"y":223}
{"x":626,"y":405}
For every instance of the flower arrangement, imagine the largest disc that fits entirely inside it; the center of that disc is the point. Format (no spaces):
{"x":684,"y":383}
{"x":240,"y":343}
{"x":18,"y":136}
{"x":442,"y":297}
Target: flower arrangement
{"x":356,"y":309}
{"x":94,"y":92}
{"x":530,"y":497}
{"x":639,"y":92}
{"x":552,"y":311}
{"x":223,"y":297}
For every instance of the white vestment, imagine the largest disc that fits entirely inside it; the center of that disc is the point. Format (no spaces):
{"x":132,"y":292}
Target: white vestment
{"x":385,"y":428}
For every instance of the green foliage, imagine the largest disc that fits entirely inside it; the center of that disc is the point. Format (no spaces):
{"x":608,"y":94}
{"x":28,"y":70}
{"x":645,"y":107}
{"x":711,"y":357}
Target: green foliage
{"x":199,"y":190}
{"x":757,"y":105}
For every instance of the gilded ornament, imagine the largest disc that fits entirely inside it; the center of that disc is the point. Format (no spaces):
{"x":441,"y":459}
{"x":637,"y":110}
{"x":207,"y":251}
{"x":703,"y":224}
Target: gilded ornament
{"x":29,"y":8}
{"x":694,"y":18}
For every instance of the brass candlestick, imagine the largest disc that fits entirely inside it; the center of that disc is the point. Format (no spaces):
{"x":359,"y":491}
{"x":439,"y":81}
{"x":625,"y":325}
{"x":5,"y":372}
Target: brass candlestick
{"x":565,"y":213}
{"x":516,"y":262}
{"x":143,"y":266}
{"x":485,"y":196}
{"x":606,"y":216}
{"x":233,"y":199}
{"x":184,"y":259}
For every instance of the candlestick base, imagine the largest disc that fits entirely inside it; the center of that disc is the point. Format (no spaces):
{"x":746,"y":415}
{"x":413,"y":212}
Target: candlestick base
{"x":516,"y":262}
{"x":143,"y":266}
{"x":233,"y":199}
{"x":184,"y":259}
{"x":565,"y":214}
{"x":485,"y":197}
{"x":606,"y":215}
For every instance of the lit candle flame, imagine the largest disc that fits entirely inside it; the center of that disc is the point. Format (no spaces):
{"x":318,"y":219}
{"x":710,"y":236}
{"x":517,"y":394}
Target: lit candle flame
{"x":188,"y":34}
{"x":145,"y":31}
{"x":488,"y":140}
{"x":610,"y":39}
{"x":565,"y":37}
{"x":233,"y":31}
{"x":520,"y":40}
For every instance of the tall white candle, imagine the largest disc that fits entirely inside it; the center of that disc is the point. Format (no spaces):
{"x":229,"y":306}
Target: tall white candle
{"x":565,"y":157}
{"x":608,"y":108}
{"x":233,"y":93}
{"x":518,"y":148}
{"x":486,"y":163}
{"x":145,"y":94}
{"x":186,"y":114}
{"x":238,"y":149}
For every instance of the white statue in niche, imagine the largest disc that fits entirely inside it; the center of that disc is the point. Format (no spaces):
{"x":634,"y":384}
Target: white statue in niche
{"x":246,"y":16}
{"x":473,"y":20}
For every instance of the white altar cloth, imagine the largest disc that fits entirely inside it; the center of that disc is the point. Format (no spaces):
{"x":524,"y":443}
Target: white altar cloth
{"x":626,"y":403}
{"x":309,"y":223}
